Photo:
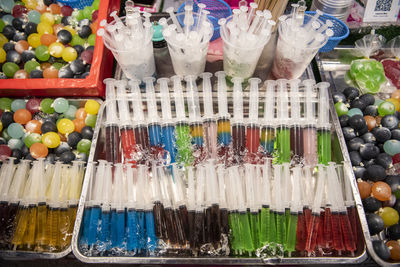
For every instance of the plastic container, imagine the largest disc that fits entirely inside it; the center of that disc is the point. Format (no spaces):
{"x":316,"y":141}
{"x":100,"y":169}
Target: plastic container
{"x":337,"y":8}
{"x":92,"y":85}
{"x":136,"y":63}
{"x":241,"y":61}
{"x":291,"y":59}
{"x":79,"y":4}
{"x":218,"y":9}
{"x":340,"y":31}
{"x":186,"y":60}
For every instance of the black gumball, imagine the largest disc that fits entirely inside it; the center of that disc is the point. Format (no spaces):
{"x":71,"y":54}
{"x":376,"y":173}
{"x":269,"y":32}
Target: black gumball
{"x":382,"y":134}
{"x":351,"y":93}
{"x":9,"y":32}
{"x":65,"y":72}
{"x":359,"y":172}
{"x":30,"y":28}
{"x":368,"y":99}
{"x":375,"y":173}
{"x":36,"y":74}
{"x":390,"y":121}
{"x":9,"y":46}
{"x":371,"y":110}
{"x":18,"y":36}
{"x":381,"y":249}
{"x":338,"y":97}
{"x":27,"y":55}
{"x":355,"y":143}
{"x":394,"y":182}
{"x":367,"y":163}
{"x":357,"y":122}
{"x":87,"y":132}
{"x":77,"y":66}
{"x":64,"y":36}
{"x":355,"y":158}
{"x":369,"y":138}
{"x":394,"y":232}
{"x":67,"y":157}
{"x":395,"y":134}
{"x":63,"y":147}
{"x":358,"y":103}
{"x":73,"y":139}
{"x":13,"y":56}
{"x":348,"y":133}
{"x":375,"y":223}
{"x":362,"y":131}
{"x":385,"y":160}
{"x":7,"y":118}
{"x":368,"y":151}
{"x":84,"y":31}
{"x":48,"y":126}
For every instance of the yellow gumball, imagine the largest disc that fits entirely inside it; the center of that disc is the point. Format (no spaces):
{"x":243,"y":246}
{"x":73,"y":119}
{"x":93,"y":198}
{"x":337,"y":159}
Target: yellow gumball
{"x":70,"y":29}
{"x":69,"y":54}
{"x":3,"y":40}
{"x":56,"y":49}
{"x":31,"y":4}
{"x":395,"y":102}
{"x":47,"y":17}
{"x":92,"y":107}
{"x":3,"y":55}
{"x":34,"y":40}
{"x":65,"y":126}
{"x":51,"y":139}
{"x":44,"y":27}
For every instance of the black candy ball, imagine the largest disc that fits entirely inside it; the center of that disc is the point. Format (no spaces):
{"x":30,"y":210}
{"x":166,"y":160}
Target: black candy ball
{"x":30,"y":28}
{"x":77,"y":66}
{"x":375,"y":173}
{"x":394,"y":182}
{"x":371,"y":110}
{"x":7,"y":118}
{"x":338,"y":97}
{"x":358,"y":103}
{"x":381,"y":134}
{"x":13,"y":56}
{"x":67,"y":157}
{"x":354,"y":144}
{"x":351,"y":93}
{"x":73,"y":139}
{"x":381,"y":249}
{"x":357,"y":122}
{"x":369,"y":138}
{"x":368,"y":151}
{"x":9,"y":46}
{"x":27,"y":55}
{"x":65,"y":72}
{"x":395,"y":134}
{"x":371,"y":204}
{"x":368,"y":99}
{"x":64,"y":36}
{"x":375,"y":223}
{"x":18,"y":36}
{"x":87,"y":132}
{"x":84,"y":31}
{"x":385,"y":160}
{"x":63,"y":147}
{"x":394,"y":232}
{"x":355,"y":158}
{"x":48,"y":126}
{"x":36,"y":74}
{"x":359,"y":172}
{"x":348,"y":133}
{"x":390,"y":121}
{"x":9,"y":32}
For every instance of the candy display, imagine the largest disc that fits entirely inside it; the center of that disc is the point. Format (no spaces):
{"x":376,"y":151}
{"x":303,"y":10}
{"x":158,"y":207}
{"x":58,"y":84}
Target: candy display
{"x":185,"y":199}
{"x":47,"y":41}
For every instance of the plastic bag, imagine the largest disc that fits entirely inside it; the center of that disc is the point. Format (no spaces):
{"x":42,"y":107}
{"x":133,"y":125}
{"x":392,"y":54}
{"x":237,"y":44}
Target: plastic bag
{"x":368,"y":73}
{"x":392,"y":66}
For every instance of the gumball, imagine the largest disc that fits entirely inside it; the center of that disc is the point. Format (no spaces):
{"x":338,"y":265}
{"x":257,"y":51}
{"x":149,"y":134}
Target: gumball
{"x":36,"y":74}
{"x":31,"y":4}
{"x":381,"y":191}
{"x":22,"y":116}
{"x":21,"y":74}
{"x":9,"y":69}
{"x":15,"y":130}
{"x":355,"y":111}
{"x":66,"y":11}
{"x":51,"y":139}
{"x":45,"y":65}
{"x":33,"y":105}
{"x":43,"y":28}
{"x":48,"y":126}
{"x":34,"y":16}
{"x":50,"y":72}
{"x":15,"y":143}
{"x":60,"y":105}
{"x":65,"y":126}
{"x":56,"y":49}
{"x":364,"y":188}
{"x":55,"y":9}
{"x":92,"y":39}
{"x":38,"y":150}
{"x":21,"y":46}
{"x":57,"y":28}
{"x":87,"y":132}
{"x":48,"y":39}
{"x":84,"y":146}
{"x":3,"y":55}
{"x":386,"y":108}
{"x":7,"y":118}
{"x":5,"y":152}
{"x":70,"y":113}
{"x":79,"y":124}
{"x":73,"y":139}
{"x":18,"y":104}
{"x":5,"y":103}
{"x":33,"y":126}
{"x":92,"y":107}
{"x":87,"y":56}
{"x":81,"y":113}
{"x":47,"y":106}
{"x":67,"y":157}
{"x":42,"y":53}
{"x":389,"y":215}
{"x":392,"y":147}
{"x":395,"y":102}
{"x":76,"y":40}
{"x":47,"y":18}
{"x":91,"y":120}
{"x":69,"y":54}
{"x":34,"y":40}
{"x":32,"y":139}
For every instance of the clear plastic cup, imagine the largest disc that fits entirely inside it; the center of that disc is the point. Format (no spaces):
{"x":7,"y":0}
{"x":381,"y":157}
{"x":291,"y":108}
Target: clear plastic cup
{"x":291,"y":59}
{"x":188,"y":59}
{"x":137,"y":62}
{"x":241,"y":61}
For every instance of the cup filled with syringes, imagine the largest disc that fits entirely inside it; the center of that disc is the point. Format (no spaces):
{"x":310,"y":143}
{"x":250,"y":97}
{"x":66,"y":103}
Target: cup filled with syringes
{"x":130,"y":40}
{"x":188,"y":35}
{"x":300,"y":37}
{"x":245,"y":34}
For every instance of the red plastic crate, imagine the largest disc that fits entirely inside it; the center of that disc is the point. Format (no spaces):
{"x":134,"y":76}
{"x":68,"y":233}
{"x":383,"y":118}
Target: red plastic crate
{"x":92,"y":85}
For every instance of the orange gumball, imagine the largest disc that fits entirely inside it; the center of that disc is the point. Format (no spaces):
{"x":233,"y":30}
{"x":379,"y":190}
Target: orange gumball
{"x":79,"y":124}
{"x":41,"y":8}
{"x":47,"y":39}
{"x":22,"y":116}
{"x":81,"y":114}
{"x":33,"y":126}
{"x":395,"y":102}
{"x":396,"y":94}
{"x":371,"y":122}
{"x":50,"y":72}
{"x":93,"y":26}
{"x":38,"y":150}
{"x":45,"y":65}
{"x":55,"y":9}
{"x":57,"y":28}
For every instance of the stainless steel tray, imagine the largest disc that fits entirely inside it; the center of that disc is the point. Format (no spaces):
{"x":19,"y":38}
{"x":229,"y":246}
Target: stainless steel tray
{"x":97,"y":150}
{"x":29,"y":255}
{"x":333,"y":67}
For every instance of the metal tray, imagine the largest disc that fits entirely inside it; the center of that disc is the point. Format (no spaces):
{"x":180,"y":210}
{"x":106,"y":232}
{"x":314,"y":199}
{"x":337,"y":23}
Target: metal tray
{"x":97,"y":149}
{"x":29,"y":255}
{"x":333,"y":67}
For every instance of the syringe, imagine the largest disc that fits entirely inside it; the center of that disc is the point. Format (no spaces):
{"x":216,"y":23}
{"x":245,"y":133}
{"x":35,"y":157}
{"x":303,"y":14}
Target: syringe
{"x":253,"y":126}
{"x":309,"y":128}
{"x":238,"y":127}
{"x":224,"y":125}
{"x":268,"y":131}
{"x":324,"y":127}
{"x":296,"y":134}
{"x":283,"y":134}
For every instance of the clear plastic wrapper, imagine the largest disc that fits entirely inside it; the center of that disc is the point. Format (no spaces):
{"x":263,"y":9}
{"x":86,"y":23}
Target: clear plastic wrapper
{"x":392,"y":66}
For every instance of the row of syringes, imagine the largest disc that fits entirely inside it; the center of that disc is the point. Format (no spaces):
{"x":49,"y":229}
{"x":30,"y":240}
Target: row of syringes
{"x":38,"y":204}
{"x":290,"y":131}
{"x":254,"y":209}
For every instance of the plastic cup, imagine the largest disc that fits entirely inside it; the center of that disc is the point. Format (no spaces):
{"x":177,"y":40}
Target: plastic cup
{"x":241,"y":61}
{"x":187,"y":59}
{"x":292,"y":58}
{"x":137,"y":62}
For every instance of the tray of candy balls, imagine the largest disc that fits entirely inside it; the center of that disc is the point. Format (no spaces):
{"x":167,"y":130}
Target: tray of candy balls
{"x":44,"y":147}
{"x":48,"y":48}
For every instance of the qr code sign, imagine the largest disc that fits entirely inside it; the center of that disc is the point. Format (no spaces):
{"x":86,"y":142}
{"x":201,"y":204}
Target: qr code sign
{"x":383,"y":5}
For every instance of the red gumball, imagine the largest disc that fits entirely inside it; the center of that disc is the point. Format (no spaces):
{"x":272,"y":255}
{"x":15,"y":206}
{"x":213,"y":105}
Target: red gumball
{"x":33,"y":105}
{"x":396,"y":158}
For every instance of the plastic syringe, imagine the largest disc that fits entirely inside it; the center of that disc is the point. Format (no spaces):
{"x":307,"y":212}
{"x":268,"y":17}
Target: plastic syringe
{"x":105,"y":225}
{"x":283,"y":130}
{"x":324,"y":126}
{"x":309,"y":127}
{"x":209,"y":120}
{"x":64,"y":220}
{"x":249,"y":175}
{"x":153,"y":119}
{"x":141,"y":183}
{"x":296,"y":137}
{"x":301,"y":218}
{"x":224,"y":125}
{"x":158,"y":208}
{"x":268,"y":131}
{"x":265,"y":225}
{"x":223,"y":204}
{"x":132,"y":239}
{"x":235,"y":236}
{"x":125,"y":124}
{"x":15,"y":193}
{"x":183,"y":139}
{"x":238,"y":126}
{"x":347,"y":232}
{"x":95,"y":202}
{"x":313,"y":225}
{"x":83,"y":238}
{"x":199,"y":227}
{"x":280,"y":209}
{"x":168,"y":126}
{"x":213,"y":223}
{"x":253,"y":126}
{"x":196,"y":123}
{"x":295,"y":208}
{"x":112,"y":130}
{"x":286,"y":198}
{"x":151,"y":238}
{"x":350,"y":203}
{"x":139,"y":124}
